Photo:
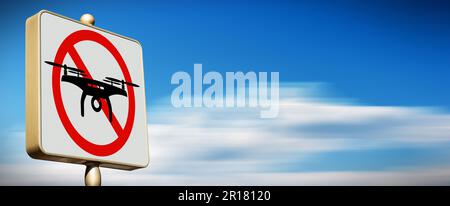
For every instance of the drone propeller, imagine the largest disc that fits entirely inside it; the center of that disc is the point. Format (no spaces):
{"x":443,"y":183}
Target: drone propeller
{"x":121,"y":81}
{"x":113,"y":79}
{"x":65,"y":66}
{"x":111,"y":82}
{"x":77,"y":73}
{"x":131,"y":84}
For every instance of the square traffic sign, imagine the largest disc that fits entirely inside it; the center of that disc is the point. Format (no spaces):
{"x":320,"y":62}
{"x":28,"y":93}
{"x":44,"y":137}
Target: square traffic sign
{"x":85,"y":94}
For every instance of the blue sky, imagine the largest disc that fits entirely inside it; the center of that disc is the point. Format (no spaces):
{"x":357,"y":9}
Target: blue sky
{"x":366,"y":53}
{"x":382,"y":52}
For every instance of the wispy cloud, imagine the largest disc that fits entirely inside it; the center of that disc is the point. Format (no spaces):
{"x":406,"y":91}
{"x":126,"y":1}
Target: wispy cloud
{"x":315,"y":140}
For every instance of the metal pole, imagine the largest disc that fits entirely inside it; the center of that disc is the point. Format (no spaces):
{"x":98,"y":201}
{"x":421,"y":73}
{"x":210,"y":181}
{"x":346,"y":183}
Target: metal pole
{"x":87,"y":19}
{"x":92,"y":176}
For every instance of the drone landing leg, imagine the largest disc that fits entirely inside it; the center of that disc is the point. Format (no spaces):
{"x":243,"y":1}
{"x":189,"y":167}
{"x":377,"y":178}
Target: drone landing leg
{"x":83,"y":97}
{"x":110,"y":109}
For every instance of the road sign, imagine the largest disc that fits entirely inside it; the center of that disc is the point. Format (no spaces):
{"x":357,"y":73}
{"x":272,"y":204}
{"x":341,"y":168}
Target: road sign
{"x":85,"y":94}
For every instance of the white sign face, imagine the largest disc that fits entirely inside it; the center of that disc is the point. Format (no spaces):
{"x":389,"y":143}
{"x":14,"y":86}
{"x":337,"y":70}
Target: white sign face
{"x":92,"y":94}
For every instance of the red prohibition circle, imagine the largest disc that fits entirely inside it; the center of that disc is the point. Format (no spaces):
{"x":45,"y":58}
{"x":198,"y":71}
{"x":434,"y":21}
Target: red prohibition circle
{"x":123,"y":134}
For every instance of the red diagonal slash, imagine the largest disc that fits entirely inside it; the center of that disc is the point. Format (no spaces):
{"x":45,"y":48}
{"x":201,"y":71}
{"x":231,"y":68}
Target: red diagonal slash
{"x":80,"y":65}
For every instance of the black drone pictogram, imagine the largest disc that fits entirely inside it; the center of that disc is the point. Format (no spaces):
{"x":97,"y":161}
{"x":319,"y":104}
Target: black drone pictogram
{"x":97,"y":89}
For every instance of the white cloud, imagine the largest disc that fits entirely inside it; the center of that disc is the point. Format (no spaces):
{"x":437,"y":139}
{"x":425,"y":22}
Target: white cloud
{"x":67,"y":174}
{"x":197,"y":146}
